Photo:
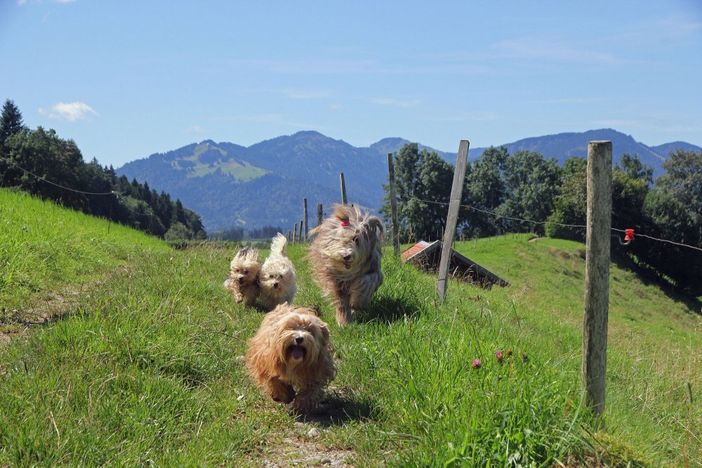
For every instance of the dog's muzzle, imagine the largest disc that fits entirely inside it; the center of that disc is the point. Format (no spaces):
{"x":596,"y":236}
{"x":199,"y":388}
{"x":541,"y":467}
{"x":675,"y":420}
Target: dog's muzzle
{"x":296,"y":352}
{"x":275,"y":285}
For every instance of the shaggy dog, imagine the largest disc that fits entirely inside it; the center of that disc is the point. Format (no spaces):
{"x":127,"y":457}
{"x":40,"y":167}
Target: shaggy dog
{"x":290,"y":357}
{"x":345,"y":258}
{"x":243,"y":276}
{"x":277,"y":277}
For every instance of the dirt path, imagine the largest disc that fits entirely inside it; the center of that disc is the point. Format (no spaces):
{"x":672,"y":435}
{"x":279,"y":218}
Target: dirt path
{"x":303,"y":446}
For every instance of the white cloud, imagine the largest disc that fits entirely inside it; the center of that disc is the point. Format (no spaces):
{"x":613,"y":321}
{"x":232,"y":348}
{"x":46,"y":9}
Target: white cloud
{"x":21,"y":2}
{"x":404,"y":103}
{"x":302,"y":94}
{"x":541,"y":49}
{"x":197,"y":130}
{"x":70,"y":111}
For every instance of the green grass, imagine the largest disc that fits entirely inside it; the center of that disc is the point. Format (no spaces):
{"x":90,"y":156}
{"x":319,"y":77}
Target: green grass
{"x":147,"y":369}
{"x":44,"y":247}
{"x":241,"y":172}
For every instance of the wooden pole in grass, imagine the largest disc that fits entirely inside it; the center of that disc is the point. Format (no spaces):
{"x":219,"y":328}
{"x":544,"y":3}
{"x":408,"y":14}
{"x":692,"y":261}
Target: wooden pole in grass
{"x":320,"y":213}
{"x":597,"y":256}
{"x":342,"y":183}
{"x":393,"y":207}
{"x":304,"y":202}
{"x":299,"y":237}
{"x":295,"y":233}
{"x":459,"y":174}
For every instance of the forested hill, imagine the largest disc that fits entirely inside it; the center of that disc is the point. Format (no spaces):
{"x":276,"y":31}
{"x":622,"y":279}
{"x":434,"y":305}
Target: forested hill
{"x":264,"y":184}
{"x":40,"y":162}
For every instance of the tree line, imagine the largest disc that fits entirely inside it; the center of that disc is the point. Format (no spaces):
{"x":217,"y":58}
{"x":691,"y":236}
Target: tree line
{"x":44,"y":154}
{"x":525,"y":185}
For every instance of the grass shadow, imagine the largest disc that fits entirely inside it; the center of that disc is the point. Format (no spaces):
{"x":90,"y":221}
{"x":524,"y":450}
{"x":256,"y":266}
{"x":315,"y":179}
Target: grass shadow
{"x":388,"y":309}
{"x":339,"y":407}
{"x":649,"y":276}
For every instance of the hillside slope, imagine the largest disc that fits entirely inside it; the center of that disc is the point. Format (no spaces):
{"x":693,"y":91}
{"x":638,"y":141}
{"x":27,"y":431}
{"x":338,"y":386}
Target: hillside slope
{"x":146,"y":367}
{"x":45,"y":248}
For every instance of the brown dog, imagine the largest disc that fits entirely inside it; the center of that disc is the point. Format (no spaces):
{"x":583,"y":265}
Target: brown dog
{"x":290,"y":357}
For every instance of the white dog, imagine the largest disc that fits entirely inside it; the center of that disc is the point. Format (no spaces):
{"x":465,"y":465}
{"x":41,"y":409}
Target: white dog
{"x":277,"y":278}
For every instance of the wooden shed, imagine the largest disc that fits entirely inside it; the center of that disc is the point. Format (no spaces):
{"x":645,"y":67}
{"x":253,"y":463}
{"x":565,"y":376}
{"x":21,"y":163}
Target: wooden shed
{"x":426,"y":256}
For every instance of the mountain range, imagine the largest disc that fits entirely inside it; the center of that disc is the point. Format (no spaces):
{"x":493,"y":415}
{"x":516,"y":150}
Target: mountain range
{"x":264,"y":184}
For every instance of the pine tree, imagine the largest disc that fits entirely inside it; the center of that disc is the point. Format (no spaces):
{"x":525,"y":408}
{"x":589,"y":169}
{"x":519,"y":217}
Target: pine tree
{"x":10,"y":122}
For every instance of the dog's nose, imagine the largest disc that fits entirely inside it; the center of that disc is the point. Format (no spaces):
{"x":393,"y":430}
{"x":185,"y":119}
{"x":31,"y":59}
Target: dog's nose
{"x":299,"y":340}
{"x":275,"y":285}
{"x":347,"y":257}
{"x":241,"y":280}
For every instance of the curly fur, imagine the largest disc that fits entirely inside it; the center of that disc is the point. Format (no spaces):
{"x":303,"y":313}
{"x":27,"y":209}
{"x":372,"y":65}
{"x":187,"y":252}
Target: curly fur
{"x":242,"y":282}
{"x":290,"y":357}
{"x":277,"y":278}
{"x":346,"y":258}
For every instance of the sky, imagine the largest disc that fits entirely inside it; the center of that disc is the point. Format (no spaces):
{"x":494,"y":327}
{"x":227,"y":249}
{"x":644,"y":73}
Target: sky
{"x":125,"y":79}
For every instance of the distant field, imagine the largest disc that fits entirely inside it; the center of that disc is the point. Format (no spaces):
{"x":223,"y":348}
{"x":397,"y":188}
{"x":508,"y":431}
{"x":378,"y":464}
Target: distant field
{"x":147,"y":367}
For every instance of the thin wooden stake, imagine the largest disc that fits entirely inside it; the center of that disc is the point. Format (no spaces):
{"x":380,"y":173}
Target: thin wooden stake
{"x":393,"y":207}
{"x":597,"y":256}
{"x":320,"y":213}
{"x":295,"y":233}
{"x":299,"y":237}
{"x":306,"y":228}
{"x":459,"y":174}
{"x":342,"y":182}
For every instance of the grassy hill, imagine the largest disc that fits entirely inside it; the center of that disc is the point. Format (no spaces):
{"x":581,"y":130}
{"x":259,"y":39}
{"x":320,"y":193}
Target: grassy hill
{"x":147,"y":366}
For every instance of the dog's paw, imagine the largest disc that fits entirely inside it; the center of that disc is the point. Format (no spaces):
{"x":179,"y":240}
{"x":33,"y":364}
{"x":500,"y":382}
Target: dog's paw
{"x":283,"y":394}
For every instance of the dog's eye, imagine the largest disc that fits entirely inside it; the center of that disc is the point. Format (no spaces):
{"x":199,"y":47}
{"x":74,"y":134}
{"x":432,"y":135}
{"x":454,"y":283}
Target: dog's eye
{"x":355,"y":240}
{"x":246,"y":272}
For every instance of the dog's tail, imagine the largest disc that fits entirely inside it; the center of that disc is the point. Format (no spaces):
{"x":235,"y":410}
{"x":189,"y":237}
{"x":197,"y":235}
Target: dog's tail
{"x":278,"y":244}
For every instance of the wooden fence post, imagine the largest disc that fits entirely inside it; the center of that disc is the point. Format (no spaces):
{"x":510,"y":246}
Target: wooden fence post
{"x":320,"y":213}
{"x":393,"y":207}
{"x":304,"y":201}
{"x":295,"y":233}
{"x":290,"y":236}
{"x":299,"y":237}
{"x":459,"y":174}
{"x":342,"y":182}
{"x":597,"y":256}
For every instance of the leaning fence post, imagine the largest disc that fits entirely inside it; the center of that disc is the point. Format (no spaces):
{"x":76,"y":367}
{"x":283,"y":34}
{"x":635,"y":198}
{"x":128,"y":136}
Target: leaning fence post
{"x":597,"y":256}
{"x":393,"y":207}
{"x":459,"y":174}
{"x":304,"y":201}
{"x":342,"y":183}
{"x":320,"y":213}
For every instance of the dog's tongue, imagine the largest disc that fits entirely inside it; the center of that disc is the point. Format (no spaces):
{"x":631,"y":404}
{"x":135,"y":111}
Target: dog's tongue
{"x":297,"y":352}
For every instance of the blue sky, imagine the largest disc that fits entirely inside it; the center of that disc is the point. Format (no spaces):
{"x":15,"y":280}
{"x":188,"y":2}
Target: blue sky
{"x":125,"y":79}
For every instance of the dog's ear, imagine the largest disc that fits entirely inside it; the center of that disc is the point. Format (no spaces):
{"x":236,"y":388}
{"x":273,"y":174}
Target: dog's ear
{"x":376,"y":226}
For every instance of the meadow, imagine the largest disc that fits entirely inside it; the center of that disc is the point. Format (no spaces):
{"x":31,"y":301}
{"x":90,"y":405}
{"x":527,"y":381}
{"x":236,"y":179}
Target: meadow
{"x":145,"y":363}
